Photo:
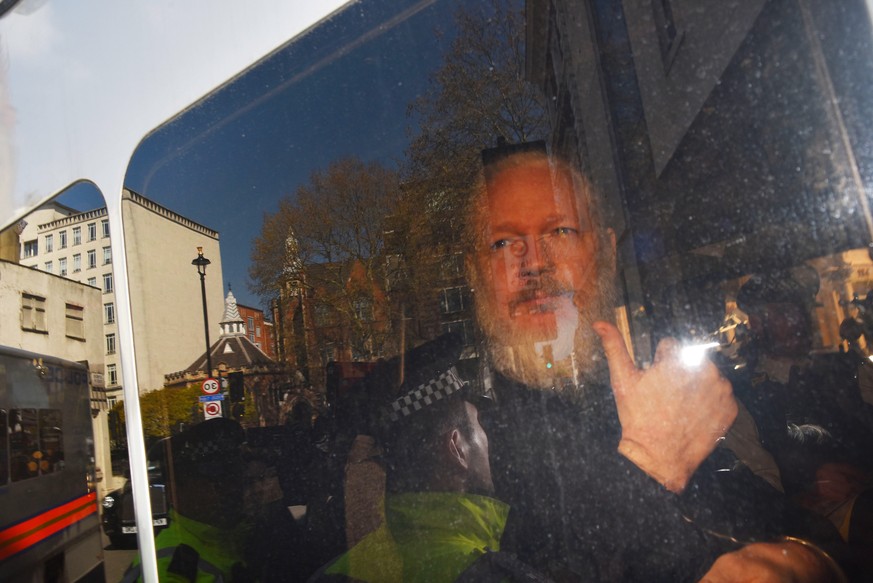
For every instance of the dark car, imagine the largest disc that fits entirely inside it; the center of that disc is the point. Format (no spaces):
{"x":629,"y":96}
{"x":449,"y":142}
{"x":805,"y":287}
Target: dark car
{"x":119,"y":522}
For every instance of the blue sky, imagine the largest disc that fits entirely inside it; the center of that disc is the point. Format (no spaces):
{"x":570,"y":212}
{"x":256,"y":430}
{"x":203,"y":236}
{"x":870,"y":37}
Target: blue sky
{"x":342,"y":89}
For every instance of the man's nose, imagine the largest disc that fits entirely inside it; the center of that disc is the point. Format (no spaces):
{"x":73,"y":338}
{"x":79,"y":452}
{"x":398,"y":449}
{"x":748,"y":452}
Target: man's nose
{"x":531,"y":255}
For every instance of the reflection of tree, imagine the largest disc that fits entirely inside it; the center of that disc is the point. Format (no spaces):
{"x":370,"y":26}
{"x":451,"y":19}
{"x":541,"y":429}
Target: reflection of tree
{"x":324,"y":248}
{"x":477,"y":97}
{"x":162,"y":411}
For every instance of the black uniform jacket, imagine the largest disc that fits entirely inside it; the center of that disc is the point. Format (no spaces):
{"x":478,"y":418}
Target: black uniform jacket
{"x":582,"y":511}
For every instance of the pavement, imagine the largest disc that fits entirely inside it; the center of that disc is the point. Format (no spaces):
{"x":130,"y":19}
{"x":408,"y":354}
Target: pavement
{"x":116,"y":561}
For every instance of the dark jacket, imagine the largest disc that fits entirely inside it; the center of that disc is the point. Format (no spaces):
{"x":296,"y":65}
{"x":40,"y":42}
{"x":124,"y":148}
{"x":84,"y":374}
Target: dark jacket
{"x":581,"y":510}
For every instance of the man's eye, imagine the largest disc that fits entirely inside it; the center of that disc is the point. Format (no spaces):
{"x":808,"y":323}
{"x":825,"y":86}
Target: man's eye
{"x":565,"y":231}
{"x":500,"y":244}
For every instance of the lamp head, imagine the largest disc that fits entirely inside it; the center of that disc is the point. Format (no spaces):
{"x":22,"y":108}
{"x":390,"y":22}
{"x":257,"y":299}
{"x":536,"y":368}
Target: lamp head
{"x":201,"y":262}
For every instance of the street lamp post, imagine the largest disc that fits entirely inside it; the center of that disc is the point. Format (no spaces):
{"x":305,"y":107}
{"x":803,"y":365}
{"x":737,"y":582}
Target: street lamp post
{"x":201,"y":263}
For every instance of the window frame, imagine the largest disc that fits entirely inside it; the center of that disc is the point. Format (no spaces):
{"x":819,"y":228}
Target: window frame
{"x":33,"y":313}
{"x":30,"y":249}
{"x":74,"y":321}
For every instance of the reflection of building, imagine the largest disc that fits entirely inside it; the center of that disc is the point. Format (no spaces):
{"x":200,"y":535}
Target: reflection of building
{"x":259,"y":330}
{"x":75,"y":245}
{"x":51,"y":315}
{"x":338,"y":312}
{"x":244,"y":369}
{"x":427,"y":283}
{"x":166,"y":301}
{"x":725,"y":139}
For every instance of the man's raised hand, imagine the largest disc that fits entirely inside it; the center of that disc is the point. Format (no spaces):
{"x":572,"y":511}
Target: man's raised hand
{"x":672,"y":415}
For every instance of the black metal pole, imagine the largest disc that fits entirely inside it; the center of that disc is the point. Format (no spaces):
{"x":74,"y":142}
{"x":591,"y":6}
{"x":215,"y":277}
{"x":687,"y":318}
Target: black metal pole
{"x":205,"y":323}
{"x":200,"y":263}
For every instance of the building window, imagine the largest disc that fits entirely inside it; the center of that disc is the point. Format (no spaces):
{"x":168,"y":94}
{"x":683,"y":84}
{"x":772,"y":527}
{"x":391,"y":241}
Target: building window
{"x":77,"y":262}
{"x":104,"y":224}
{"x":33,"y":313}
{"x":251,"y":323}
{"x":92,"y":231}
{"x":62,"y":240}
{"x":451,"y":300}
{"x":112,"y":374}
{"x":363,"y":309}
{"x":92,"y":281}
{"x":107,"y":255}
{"x":109,"y":313}
{"x":75,"y":322}
{"x":30,"y":431}
{"x":464,"y":328}
{"x":77,"y":235}
{"x":30,"y":248}
{"x":49,"y":243}
{"x":62,"y":266}
{"x":452,"y":266}
{"x":111,"y":401}
{"x":48,"y":267}
{"x":92,"y":258}
{"x":258,"y":331}
{"x":107,"y":283}
{"x":252,"y":338}
{"x":110,"y":344}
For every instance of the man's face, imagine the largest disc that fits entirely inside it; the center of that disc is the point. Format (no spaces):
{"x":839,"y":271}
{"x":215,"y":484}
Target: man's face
{"x":479,"y":471}
{"x":540,"y":280}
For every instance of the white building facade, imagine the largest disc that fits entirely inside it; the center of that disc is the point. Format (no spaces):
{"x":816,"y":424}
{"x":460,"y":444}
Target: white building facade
{"x":55,"y":316}
{"x":166,"y":304}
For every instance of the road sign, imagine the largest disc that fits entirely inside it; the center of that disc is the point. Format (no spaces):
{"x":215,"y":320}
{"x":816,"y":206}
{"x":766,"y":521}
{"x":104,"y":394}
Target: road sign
{"x":212,"y":409}
{"x":207,"y":398}
{"x":210,"y":386}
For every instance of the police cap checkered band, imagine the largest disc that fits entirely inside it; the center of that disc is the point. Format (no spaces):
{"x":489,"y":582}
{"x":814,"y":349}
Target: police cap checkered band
{"x":209,"y":449}
{"x":208,"y":442}
{"x":432,"y":391}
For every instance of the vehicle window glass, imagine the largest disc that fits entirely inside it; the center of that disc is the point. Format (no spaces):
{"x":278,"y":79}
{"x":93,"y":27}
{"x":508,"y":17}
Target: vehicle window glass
{"x":514,"y":173}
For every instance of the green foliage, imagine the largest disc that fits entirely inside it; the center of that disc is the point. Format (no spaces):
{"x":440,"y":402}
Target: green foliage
{"x":166,"y":408}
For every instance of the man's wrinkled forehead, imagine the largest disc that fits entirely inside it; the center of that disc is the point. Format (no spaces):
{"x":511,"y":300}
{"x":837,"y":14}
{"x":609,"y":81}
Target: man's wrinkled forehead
{"x":532,"y":186}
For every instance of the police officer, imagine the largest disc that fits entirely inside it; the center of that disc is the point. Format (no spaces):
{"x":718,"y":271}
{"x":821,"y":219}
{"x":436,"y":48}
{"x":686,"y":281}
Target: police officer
{"x":205,"y":539}
{"x":441,"y":523}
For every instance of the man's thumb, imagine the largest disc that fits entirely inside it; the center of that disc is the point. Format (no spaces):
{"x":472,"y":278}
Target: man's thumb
{"x":621,"y":365}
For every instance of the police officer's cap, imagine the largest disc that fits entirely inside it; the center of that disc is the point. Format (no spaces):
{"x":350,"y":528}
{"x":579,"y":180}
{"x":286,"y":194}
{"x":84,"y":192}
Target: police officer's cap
{"x":433,"y":373}
{"x":210,"y":447}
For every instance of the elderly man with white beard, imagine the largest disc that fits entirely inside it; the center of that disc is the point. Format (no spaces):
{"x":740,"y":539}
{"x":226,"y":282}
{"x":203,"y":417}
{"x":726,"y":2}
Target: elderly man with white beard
{"x":605,"y":485}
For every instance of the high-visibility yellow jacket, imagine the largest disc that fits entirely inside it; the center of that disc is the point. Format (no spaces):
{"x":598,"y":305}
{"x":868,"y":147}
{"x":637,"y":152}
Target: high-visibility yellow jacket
{"x":193,"y":552}
{"x":428,"y":536}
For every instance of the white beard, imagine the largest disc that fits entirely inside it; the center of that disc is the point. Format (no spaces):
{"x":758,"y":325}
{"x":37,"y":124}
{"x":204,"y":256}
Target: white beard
{"x":570,"y":360}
